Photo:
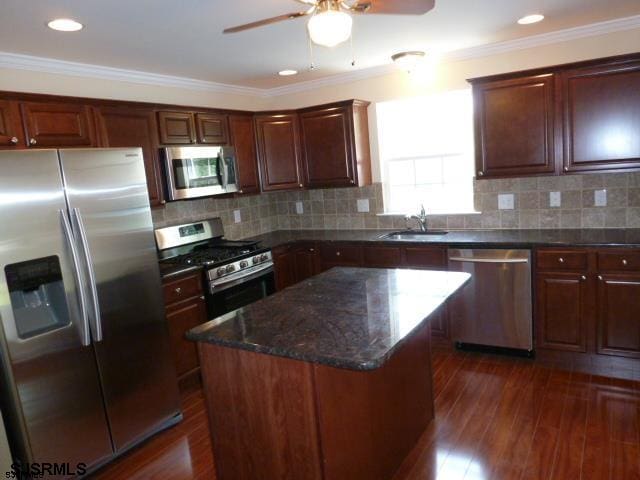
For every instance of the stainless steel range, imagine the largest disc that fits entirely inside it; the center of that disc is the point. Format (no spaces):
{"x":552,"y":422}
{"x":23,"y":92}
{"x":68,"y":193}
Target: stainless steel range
{"x":236,"y":273}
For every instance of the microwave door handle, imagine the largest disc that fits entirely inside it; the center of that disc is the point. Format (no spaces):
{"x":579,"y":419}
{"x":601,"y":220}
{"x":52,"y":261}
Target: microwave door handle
{"x":225,"y":171}
{"x":93,"y":287}
{"x":85,"y":335}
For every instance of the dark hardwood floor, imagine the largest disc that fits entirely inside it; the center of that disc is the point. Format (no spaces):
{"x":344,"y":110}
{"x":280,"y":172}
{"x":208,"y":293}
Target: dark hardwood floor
{"x":496,"y":418}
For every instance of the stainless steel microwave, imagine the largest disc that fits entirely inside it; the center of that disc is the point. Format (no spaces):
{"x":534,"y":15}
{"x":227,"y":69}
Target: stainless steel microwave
{"x":194,"y":172}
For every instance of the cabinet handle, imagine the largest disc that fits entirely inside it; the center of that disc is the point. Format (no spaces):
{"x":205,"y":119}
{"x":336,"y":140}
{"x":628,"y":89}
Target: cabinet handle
{"x":311,"y":250}
{"x":201,"y":297}
{"x":163,"y":202}
{"x":204,"y":140}
{"x":178,"y":290}
{"x":338,"y":254}
{"x":14,"y":140}
{"x":561,"y":260}
{"x":583,"y":278}
{"x":240,"y":191}
{"x":352,"y":182}
{"x":624,"y":262}
{"x":480,"y":173}
{"x":566,"y":169}
{"x":600,"y":278}
{"x":33,"y":141}
{"x":301,"y":186}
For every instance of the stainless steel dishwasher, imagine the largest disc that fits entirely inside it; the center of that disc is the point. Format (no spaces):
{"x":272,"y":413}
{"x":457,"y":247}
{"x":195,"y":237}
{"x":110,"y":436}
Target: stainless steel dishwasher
{"x":495,"y":308}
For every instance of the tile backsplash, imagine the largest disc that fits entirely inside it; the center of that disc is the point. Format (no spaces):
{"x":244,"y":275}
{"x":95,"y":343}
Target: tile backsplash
{"x":530,"y":204}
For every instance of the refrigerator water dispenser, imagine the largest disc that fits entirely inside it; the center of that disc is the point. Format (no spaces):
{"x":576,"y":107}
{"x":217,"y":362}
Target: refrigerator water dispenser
{"x":38,"y":297}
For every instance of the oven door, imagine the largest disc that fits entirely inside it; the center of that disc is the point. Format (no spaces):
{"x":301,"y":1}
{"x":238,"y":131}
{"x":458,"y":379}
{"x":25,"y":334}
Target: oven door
{"x":230,"y":293}
{"x":199,"y":171}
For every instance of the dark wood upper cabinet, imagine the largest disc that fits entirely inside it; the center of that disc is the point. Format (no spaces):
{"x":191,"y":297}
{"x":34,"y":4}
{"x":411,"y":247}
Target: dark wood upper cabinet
{"x":242,"y":134}
{"x":514,"y":126}
{"x":213,"y":129}
{"x":58,"y":124}
{"x":601,"y":117}
{"x":335,"y":145}
{"x":619,"y":314}
{"x":134,"y":127}
{"x":176,"y":128}
{"x":278,"y":138}
{"x":11,"y":132}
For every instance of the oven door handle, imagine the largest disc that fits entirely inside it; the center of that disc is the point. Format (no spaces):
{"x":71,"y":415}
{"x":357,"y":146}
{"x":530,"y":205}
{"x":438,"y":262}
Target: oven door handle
{"x":221,"y":284}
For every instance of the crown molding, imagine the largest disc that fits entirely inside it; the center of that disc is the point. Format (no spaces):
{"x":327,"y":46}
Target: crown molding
{"x":62,"y":67}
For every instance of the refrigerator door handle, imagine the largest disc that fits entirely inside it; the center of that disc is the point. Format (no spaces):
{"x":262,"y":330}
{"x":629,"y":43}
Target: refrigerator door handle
{"x":93,"y":286}
{"x":85,"y":335}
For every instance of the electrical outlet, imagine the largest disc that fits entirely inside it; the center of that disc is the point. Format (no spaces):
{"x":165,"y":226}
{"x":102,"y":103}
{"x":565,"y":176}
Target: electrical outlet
{"x":555,"y":199}
{"x":237,"y":218}
{"x":506,"y":201}
{"x":299,"y":208}
{"x":363,"y":205}
{"x":600,"y":198}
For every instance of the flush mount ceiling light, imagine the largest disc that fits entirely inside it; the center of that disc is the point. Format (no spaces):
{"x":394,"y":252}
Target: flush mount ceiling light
{"x":287,"y":73}
{"x":529,"y":19}
{"x":408,"y":60}
{"x":65,"y":25}
{"x":329,"y":25}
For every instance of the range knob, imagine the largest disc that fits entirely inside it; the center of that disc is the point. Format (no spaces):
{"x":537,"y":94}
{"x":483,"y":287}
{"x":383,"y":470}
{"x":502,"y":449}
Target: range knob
{"x":264,"y":257}
{"x":244,"y":264}
{"x":221,"y":271}
{"x":256,"y":259}
{"x":231,"y":268}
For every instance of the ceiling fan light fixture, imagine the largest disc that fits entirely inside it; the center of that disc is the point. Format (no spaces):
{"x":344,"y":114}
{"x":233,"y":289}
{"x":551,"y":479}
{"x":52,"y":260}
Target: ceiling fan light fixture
{"x":330,"y":26}
{"x":287,"y":73}
{"x":65,"y":25}
{"x":408,"y":61}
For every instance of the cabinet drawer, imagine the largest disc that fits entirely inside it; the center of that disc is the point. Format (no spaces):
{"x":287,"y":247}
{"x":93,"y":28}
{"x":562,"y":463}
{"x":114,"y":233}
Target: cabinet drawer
{"x":182,"y":288}
{"x":348,"y":255}
{"x":425,"y":257}
{"x":562,"y":260}
{"x":619,"y":261}
{"x":382,"y":257}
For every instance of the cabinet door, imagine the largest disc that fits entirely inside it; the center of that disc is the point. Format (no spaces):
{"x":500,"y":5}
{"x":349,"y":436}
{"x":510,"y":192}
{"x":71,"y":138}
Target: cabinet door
{"x":176,"y":128}
{"x":514,"y":122}
{"x":244,"y":141}
{"x":619,"y":315}
{"x":560,"y":312}
{"x":341,"y":255}
{"x":382,"y":257}
{"x":328,"y":147}
{"x":284,"y":265}
{"x":307,"y":261}
{"x":58,"y":125}
{"x":279,"y":151}
{"x":601,"y":120}
{"x":182,"y":317}
{"x":11,"y":133}
{"x":212,"y":128}
{"x":130,"y":127}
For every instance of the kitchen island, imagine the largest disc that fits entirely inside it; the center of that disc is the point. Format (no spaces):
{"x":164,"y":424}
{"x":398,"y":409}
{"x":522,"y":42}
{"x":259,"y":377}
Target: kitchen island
{"x":329,"y":379}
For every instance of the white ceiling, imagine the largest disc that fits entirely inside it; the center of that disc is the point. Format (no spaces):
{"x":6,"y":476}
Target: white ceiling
{"x":184,"y":37}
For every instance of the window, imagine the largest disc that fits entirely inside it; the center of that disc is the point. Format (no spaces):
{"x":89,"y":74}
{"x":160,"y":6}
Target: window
{"x":426,"y":153}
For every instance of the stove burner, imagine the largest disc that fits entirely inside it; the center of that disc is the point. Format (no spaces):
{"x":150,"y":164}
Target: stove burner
{"x":216,"y":252}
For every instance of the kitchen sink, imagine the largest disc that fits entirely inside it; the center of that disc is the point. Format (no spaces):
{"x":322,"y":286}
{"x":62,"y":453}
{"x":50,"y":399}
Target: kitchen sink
{"x":411,"y":234}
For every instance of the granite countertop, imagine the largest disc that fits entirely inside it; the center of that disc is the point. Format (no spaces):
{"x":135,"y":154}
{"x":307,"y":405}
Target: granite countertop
{"x":470,"y":238}
{"x":353,"y":318}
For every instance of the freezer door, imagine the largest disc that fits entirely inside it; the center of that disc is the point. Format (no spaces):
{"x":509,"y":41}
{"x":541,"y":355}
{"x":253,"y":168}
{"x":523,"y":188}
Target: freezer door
{"x":107,"y":195}
{"x":50,"y":384}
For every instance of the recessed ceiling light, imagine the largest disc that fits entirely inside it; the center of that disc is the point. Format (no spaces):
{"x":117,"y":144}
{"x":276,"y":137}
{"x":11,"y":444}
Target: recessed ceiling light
{"x":65,"y":25}
{"x":529,"y":19}
{"x":287,"y":73}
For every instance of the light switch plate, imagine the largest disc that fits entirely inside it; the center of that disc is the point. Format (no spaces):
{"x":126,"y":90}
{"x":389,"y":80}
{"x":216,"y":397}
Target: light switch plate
{"x":600,"y":198}
{"x":299,"y":208}
{"x":555,"y":199}
{"x":363,"y":205}
{"x":237,"y":218}
{"x":506,"y":201}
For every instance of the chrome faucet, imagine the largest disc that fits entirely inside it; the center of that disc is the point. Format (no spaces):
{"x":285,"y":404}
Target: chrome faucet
{"x":421,"y":218}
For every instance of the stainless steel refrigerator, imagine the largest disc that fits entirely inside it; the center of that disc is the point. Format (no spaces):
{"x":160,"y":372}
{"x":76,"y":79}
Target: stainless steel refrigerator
{"x":84,"y":349}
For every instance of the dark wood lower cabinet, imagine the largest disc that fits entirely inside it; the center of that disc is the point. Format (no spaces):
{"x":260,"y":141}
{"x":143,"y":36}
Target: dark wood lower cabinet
{"x":295,"y":263}
{"x":561,"y":313}
{"x":185,"y":309}
{"x":618,"y":314}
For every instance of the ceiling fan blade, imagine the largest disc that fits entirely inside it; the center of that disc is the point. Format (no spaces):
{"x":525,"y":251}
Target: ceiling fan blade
{"x":394,"y":7}
{"x":267,"y":21}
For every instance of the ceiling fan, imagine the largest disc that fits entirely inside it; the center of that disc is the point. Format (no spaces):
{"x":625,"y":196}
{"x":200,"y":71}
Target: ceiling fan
{"x":331,"y":22}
